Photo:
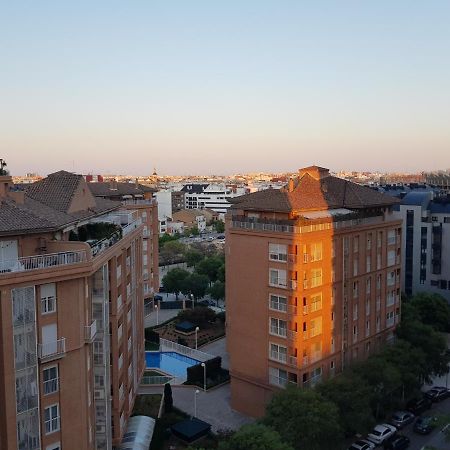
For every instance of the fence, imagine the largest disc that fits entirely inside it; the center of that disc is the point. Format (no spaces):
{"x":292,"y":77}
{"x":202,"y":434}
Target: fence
{"x":166,"y":345}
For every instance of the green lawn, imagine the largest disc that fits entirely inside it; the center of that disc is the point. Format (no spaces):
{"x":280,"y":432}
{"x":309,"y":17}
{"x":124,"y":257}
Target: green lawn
{"x":147,"y":405}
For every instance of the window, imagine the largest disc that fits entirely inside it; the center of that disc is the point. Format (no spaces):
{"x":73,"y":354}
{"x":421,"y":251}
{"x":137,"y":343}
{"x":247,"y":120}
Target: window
{"x":391,"y":278}
{"x":48,"y":298}
{"x":390,"y":299}
{"x":56,"y":446}
{"x":368,"y":307}
{"x":391,"y":258}
{"x":369,"y":241}
{"x":355,"y":289}
{"x":355,"y":267}
{"x":367,"y":327}
{"x":368,"y":285}
{"x":378,"y":261}
{"x":368,"y":264}
{"x":355,"y":333}
{"x":390,"y":319}
{"x":278,"y":252}
{"x":391,"y":237}
{"x":278,"y":303}
{"x":51,"y":418}
{"x":316,"y":327}
{"x":355,"y":244}
{"x":278,"y":327}
{"x":316,"y":277}
{"x":316,"y":251}
{"x":380,"y":238}
{"x":316,"y":302}
{"x":277,"y":277}
{"x":278,"y":377}
{"x":278,"y":353}
{"x":50,"y":380}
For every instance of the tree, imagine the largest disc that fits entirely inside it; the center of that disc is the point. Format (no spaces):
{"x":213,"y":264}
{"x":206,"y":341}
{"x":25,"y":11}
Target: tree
{"x":254,"y":437}
{"x":219,"y":226}
{"x":171,"y":252}
{"x":432,"y":310}
{"x":193,"y":257}
{"x":173,"y":280}
{"x":195,"y":284}
{"x":198,"y":316}
{"x":193,"y":230}
{"x":352,"y":397}
{"x":217,"y":290}
{"x":167,"y":238}
{"x":209,"y":267}
{"x":221,"y":273}
{"x":168,"y":400}
{"x":304,"y":419}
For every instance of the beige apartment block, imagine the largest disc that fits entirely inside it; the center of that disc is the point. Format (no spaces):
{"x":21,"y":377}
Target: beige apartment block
{"x":71,"y":315}
{"x":313,"y":283}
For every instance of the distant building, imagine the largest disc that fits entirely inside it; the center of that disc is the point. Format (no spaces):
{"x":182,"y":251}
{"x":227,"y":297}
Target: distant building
{"x":426,"y":242}
{"x":211,"y":196}
{"x":178,"y":201}
{"x":191,"y":218}
{"x":313,"y":283}
{"x":164,"y":199}
{"x":72,"y":344}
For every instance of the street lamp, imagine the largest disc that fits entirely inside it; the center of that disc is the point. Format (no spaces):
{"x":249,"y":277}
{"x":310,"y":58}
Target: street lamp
{"x":195,"y":402}
{"x":204,"y":375}
{"x":192,"y":298}
{"x":157,"y":315}
{"x":196,"y":336}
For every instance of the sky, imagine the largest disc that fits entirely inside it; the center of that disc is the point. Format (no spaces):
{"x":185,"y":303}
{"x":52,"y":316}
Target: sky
{"x":221,"y":87}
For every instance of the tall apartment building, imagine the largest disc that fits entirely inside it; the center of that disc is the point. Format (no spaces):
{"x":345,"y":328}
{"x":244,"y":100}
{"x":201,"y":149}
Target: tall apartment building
{"x":313,"y":283}
{"x":426,"y":242}
{"x":141,"y":199}
{"x":71,"y":315}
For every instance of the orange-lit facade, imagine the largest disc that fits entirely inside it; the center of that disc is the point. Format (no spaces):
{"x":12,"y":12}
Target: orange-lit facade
{"x":313,"y":283}
{"x":71,"y":317}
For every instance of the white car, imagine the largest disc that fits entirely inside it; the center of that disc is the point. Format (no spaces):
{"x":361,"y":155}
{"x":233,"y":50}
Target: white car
{"x":362,"y":444}
{"x":381,"y":432}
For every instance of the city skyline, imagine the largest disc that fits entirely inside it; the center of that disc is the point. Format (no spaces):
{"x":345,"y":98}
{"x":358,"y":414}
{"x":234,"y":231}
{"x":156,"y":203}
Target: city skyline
{"x":224,"y":88}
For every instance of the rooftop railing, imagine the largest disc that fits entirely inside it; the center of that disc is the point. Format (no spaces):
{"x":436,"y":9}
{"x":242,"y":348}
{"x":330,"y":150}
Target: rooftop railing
{"x":259,"y":225}
{"x":143,"y":202}
{"x":42,"y":261}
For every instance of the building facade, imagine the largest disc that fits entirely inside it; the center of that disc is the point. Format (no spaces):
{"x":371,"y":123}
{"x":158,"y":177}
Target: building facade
{"x":71,"y":316}
{"x":142,"y":200}
{"x":313,"y":283}
{"x":426,"y":243}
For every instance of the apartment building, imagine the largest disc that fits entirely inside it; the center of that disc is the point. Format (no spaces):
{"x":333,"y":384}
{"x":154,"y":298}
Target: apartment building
{"x":141,"y":199}
{"x":313,"y":283}
{"x":71,"y":315}
{"x":426,"y":242}
{"x":212,"y":196}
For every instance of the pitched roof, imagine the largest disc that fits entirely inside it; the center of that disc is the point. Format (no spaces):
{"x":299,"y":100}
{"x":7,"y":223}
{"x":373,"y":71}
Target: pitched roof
{"x":314,"y":190}
{"x":56,"y":190}
{"x":45,"y":206}
{"x":114,"y":189}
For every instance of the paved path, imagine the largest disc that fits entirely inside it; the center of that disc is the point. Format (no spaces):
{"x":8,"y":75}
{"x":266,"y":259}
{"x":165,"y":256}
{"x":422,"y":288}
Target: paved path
{"x":163,"y":315}
{"x":218,"y":348}
{"x":212,"y":406}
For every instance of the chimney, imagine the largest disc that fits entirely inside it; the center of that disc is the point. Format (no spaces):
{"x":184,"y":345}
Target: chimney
{"x":5,"y":185}
{"x":291,"y":185}
{"x":316,"y":172}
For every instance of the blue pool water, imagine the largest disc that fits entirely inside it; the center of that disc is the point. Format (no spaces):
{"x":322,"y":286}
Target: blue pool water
{"x":170,"y":362}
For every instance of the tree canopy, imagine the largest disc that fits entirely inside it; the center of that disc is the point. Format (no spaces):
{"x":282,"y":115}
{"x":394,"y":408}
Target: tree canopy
{"x":254,"y":437}
{"x":304,"y":419}
{"x":173,"y":280}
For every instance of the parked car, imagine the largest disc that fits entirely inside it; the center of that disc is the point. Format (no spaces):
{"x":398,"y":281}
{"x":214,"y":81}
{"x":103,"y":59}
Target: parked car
{"x":381,"y":432}
{"x":221,"y":236}
{"x":397,"y":442}
{"x":418,"y":405}
{"x":425,"y":424}
{"x":402,"y":418}
{"x":437,"y":393}
{"x":362,"y":445}
{"x":158,"y":297}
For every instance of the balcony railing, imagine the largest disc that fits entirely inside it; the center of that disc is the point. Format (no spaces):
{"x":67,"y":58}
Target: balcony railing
{"x":292,"y":335}
{"x":90,"y":331}
{"x":143,"y":202}
{"x":280,"y":382}
{"x":312,"y":381}
{"x":278,"y":356}
{"x":52,"y":350}
{"x":316,"y":356}
{"x":278,"y":331}
{"x":277,"y":306}
{"x":292,"y":361}
{"x":42,"y":261}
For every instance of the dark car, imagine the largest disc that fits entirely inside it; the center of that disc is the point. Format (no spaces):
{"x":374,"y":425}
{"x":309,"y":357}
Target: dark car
{"x":397,"y":443}
{"x":418,"y":405}
{"x":221,"y":236}
{"x":158,"y":297}
{"x":401,"y":418}
{"x":425,"y":424}
{"x":437,"y":393}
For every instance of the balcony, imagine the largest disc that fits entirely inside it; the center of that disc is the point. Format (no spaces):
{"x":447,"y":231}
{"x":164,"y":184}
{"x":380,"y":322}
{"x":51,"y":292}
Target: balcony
{"x":52,"y":350}
{"x":36,"y":262}
{"x":292,"y":361}
{"x":292,"y":335}
{"x":90,"y":331}
{"x":280,"y":382}
{"x":141,"y":202}
{"x":316,"y":356}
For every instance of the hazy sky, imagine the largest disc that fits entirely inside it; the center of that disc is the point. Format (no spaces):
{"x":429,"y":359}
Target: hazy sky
{"x":220,"y":86}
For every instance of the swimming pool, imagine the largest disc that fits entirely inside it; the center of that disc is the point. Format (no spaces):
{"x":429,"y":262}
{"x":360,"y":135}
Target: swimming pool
{"x":170,"y":362}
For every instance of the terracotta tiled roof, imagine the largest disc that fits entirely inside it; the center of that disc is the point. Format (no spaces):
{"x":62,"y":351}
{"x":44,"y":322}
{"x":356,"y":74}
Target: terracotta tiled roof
{"x":310,"y":193}
{"x":113,"y":189}
{"x":56,"y":190}
{"x":45,"y":206}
